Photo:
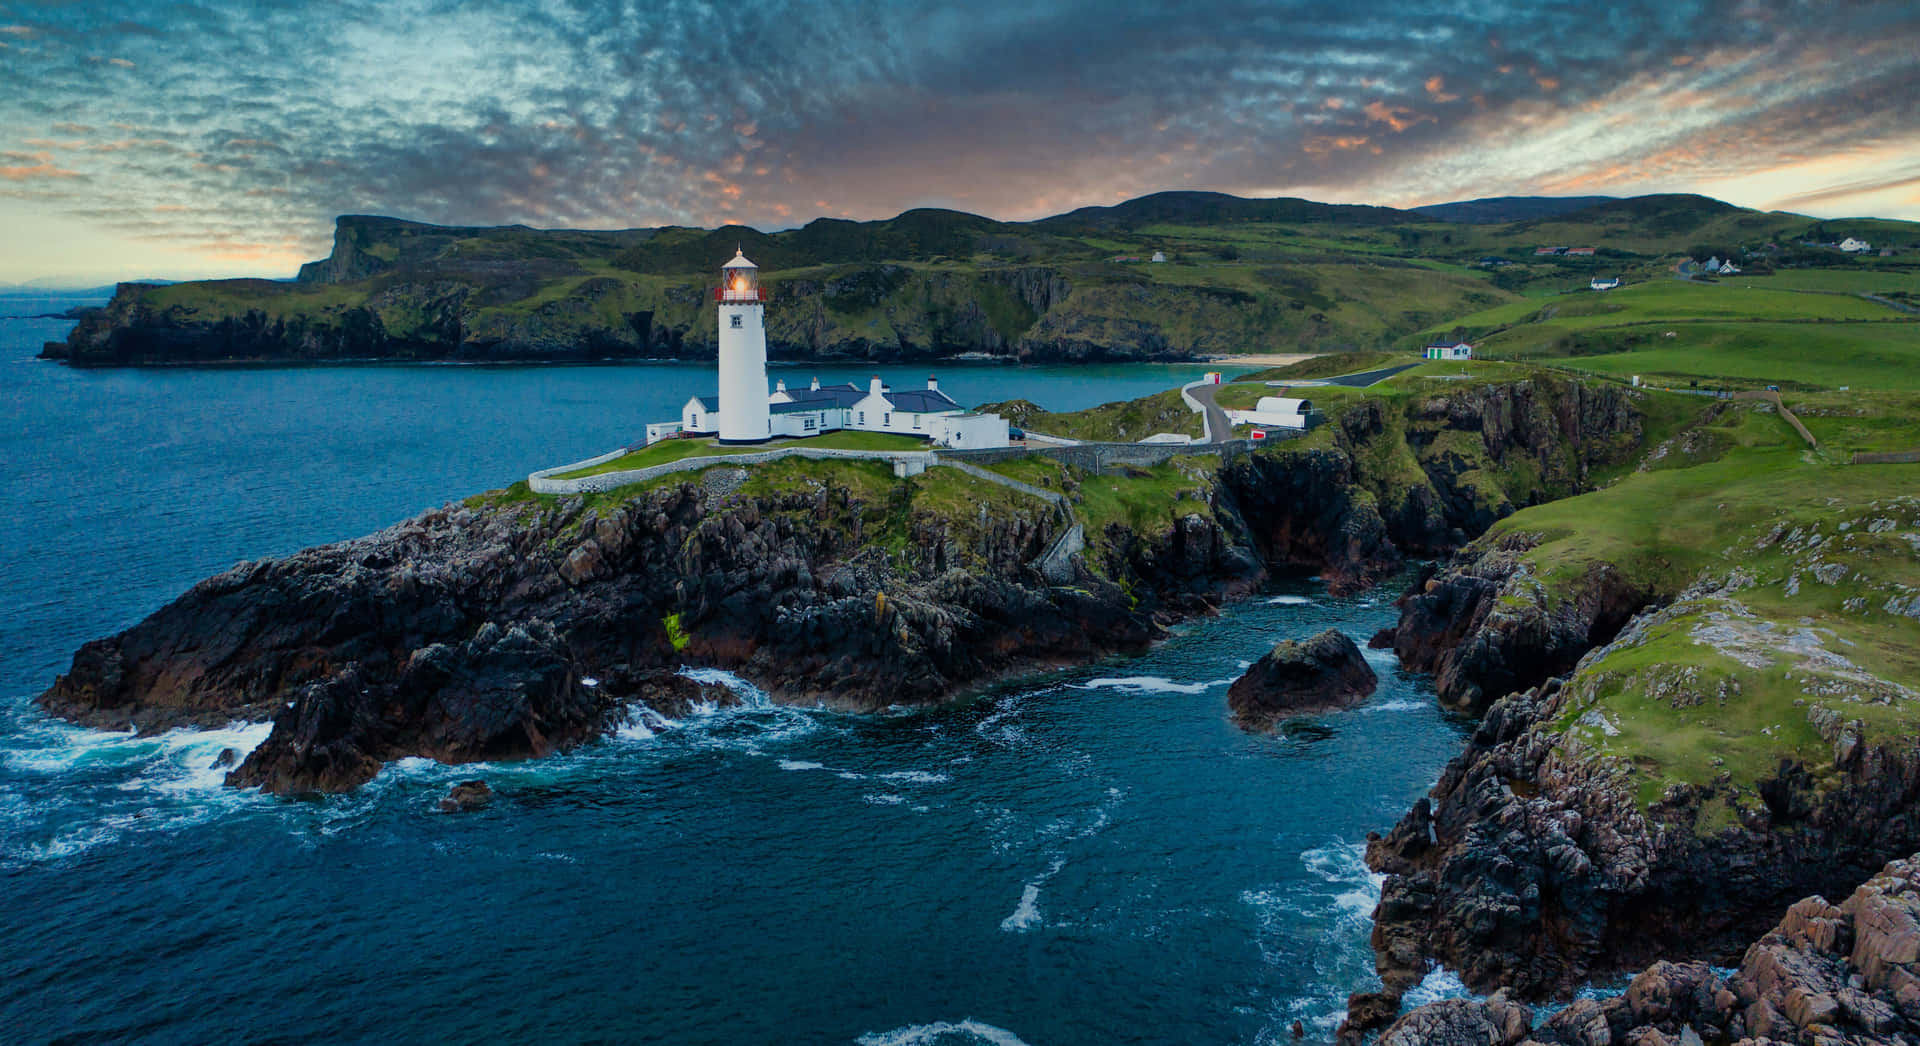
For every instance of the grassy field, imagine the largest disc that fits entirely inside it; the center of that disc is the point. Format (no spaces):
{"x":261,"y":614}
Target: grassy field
{"x":1679,"y":333}
{"x":1821,"y":554}
{"x":1127,"y":421}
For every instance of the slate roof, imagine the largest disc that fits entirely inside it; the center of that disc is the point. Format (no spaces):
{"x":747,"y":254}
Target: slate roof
{"x":829,"y":395}
{"x":921,"y":401}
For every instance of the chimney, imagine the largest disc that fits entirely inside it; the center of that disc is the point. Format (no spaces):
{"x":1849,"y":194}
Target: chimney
{"x":874,"y":388}
{"x":816,"y":383}
{"x":933,"y":383}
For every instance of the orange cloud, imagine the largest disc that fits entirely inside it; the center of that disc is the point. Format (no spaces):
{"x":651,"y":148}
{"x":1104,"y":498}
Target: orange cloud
{"x":1436,"y":88}
{"x":121,"y":62}
{"x":1547,"y":83}
{"x":36,"y":172}
{"x":1320,"y":145}
{"x":1393,"y":116}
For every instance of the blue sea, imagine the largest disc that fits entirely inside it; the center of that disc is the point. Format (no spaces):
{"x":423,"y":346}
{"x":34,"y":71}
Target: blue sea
{"x":1096,"y":856}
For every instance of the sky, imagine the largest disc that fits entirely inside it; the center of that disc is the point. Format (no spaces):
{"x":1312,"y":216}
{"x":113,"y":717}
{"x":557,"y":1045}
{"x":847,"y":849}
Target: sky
{"x":222,"y":138}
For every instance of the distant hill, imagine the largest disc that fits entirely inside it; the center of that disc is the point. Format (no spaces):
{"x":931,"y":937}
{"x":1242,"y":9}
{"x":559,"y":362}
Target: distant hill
{"x":1209,"y":208}
{"x":1240,"y":276}
{"x":1494,"y":210}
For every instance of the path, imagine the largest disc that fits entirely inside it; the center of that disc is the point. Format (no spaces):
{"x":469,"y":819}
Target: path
{"x":1199,"y":396}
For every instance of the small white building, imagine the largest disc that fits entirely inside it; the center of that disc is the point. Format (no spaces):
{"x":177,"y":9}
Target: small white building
{"x":1278,"y":412}
{"x":1599,"y":284}
{"x":1458,"y":350}
{"x":1853,"y":246}
{"x":1159,"y":256}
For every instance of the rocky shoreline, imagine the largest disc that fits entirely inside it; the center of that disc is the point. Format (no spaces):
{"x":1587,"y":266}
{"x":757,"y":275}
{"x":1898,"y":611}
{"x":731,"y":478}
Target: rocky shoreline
{"x":1845,"y":974}
{"x":516,"y":625}
{"x":1537,"y":863}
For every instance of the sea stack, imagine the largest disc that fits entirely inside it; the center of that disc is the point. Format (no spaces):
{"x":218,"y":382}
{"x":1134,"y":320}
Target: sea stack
{"x":1302,"y":677}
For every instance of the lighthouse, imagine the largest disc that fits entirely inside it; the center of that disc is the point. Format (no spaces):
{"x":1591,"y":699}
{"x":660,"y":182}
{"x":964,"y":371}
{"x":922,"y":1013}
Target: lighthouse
{"x":744,"y":417}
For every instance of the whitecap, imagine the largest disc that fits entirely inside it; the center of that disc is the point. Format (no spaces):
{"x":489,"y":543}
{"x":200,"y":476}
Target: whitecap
{"x":917,"y":776}
{"x":800,"y":764}
{"x":885,"y":799}
{"x":1150,"y":685}
{"x":750,"y":695}
{"x":942,"y":1032}
{"x":1026,"y":915}
{"x":1438,"y":984}
{"x":1396,"y":706}
{"x":1289,"y":601}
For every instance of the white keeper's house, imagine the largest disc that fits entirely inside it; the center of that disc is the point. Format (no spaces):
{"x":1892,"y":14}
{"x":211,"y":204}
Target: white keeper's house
{"x":743,"y":411}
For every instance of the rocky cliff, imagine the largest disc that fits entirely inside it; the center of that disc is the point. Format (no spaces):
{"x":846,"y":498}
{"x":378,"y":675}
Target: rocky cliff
{"x":1844,"y":974}
{"x":1656,"y":774}
{"x":516,"y":624}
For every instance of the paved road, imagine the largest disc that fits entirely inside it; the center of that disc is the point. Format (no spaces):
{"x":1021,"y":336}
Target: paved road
{"x":1367,"y":377}
{"x":1219,"y":429}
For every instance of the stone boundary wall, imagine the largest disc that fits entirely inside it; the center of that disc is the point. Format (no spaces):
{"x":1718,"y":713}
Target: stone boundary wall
{"x":1886,"y":457}
{"x":1089,"y":457}
{"x":542,"y":482}
{"x":1774,"y":398}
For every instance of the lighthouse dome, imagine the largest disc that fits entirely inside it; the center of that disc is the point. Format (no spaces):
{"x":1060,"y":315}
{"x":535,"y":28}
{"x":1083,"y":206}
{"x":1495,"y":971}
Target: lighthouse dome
{"x":739,"y":261}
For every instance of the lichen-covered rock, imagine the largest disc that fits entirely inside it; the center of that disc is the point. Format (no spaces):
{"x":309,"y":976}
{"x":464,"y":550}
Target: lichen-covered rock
{"x":1826,"y":975}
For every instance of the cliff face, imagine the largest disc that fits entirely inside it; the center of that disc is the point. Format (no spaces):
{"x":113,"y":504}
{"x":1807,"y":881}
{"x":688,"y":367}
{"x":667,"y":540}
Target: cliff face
{"x":517,"y":624}
{"x":1845,"y":974}
{"x":926,"y":285}
{"x":1656,"y":774}
{"x":514,"y":629}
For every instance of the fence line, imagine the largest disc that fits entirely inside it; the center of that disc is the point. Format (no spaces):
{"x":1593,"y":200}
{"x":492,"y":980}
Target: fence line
{"x":1886,"y":457}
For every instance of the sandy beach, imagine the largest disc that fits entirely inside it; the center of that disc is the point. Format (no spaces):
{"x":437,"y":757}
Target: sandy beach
{"x":1262,"y":361}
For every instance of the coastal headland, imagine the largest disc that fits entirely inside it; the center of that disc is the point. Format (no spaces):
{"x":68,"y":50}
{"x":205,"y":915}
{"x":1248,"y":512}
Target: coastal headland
{"x":1683,"y":621}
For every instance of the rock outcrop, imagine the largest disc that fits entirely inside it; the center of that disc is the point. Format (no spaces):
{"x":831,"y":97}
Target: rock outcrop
{"x":519,"y":625}
{"x":1301,"y":677}
{"x":1826,"y":975}
{"x":1536,"y":864}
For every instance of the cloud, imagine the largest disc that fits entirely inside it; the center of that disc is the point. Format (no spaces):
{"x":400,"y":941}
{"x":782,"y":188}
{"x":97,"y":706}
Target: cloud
{"x":265,"y":121}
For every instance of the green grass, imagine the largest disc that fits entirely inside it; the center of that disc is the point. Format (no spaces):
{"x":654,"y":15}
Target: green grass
{"x":1716,"y":688}
{"x":1126,"y":421}
{"x":1331,"y":365}
{"x":1883,"y":356}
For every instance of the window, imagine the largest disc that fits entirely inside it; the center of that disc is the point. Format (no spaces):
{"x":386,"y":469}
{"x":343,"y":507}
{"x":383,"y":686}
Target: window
{"x":916,"y":421}
{"x":737,"y":325}
{"x":809,"y":424}
{"x":886,"y":419}
{"x":863,"y":417}
{"x":695,"y":423}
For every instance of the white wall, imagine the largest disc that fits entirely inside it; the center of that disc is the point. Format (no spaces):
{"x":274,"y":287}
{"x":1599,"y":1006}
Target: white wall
{"x":743,"y":374}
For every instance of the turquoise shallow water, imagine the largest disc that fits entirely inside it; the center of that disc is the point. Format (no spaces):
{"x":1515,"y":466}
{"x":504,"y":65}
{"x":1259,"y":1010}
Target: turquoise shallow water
{"x":1094,"y":857}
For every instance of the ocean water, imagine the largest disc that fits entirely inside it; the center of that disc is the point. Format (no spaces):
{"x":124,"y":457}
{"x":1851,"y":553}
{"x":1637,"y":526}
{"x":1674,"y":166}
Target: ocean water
{"x":1091,"y":857}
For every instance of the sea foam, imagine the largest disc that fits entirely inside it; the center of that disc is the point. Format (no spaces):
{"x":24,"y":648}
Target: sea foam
{"x":943,"y":1033}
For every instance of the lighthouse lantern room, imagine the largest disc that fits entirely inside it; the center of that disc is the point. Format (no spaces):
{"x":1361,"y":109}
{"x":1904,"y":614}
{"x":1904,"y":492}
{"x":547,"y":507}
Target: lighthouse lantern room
{"x":744,"y":413}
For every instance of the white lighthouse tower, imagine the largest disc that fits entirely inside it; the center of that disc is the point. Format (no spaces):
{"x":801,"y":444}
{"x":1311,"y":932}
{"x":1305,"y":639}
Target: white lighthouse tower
{"x":744,"y":417}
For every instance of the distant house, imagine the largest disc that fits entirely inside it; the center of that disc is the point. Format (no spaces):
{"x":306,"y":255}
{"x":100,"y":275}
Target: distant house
{"x":1584,"y":252}
{"x":1491,"y":262}
{"x":1458,"y":350}
{"x":1599,"y":284}
{"x":1728,"y":268}
{"x":1853,"y":246}
{"x":1539,"y":251}
{"x":1124,"y":258}
{"x":1159,"y":256}
{"x":1713,"y":264}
